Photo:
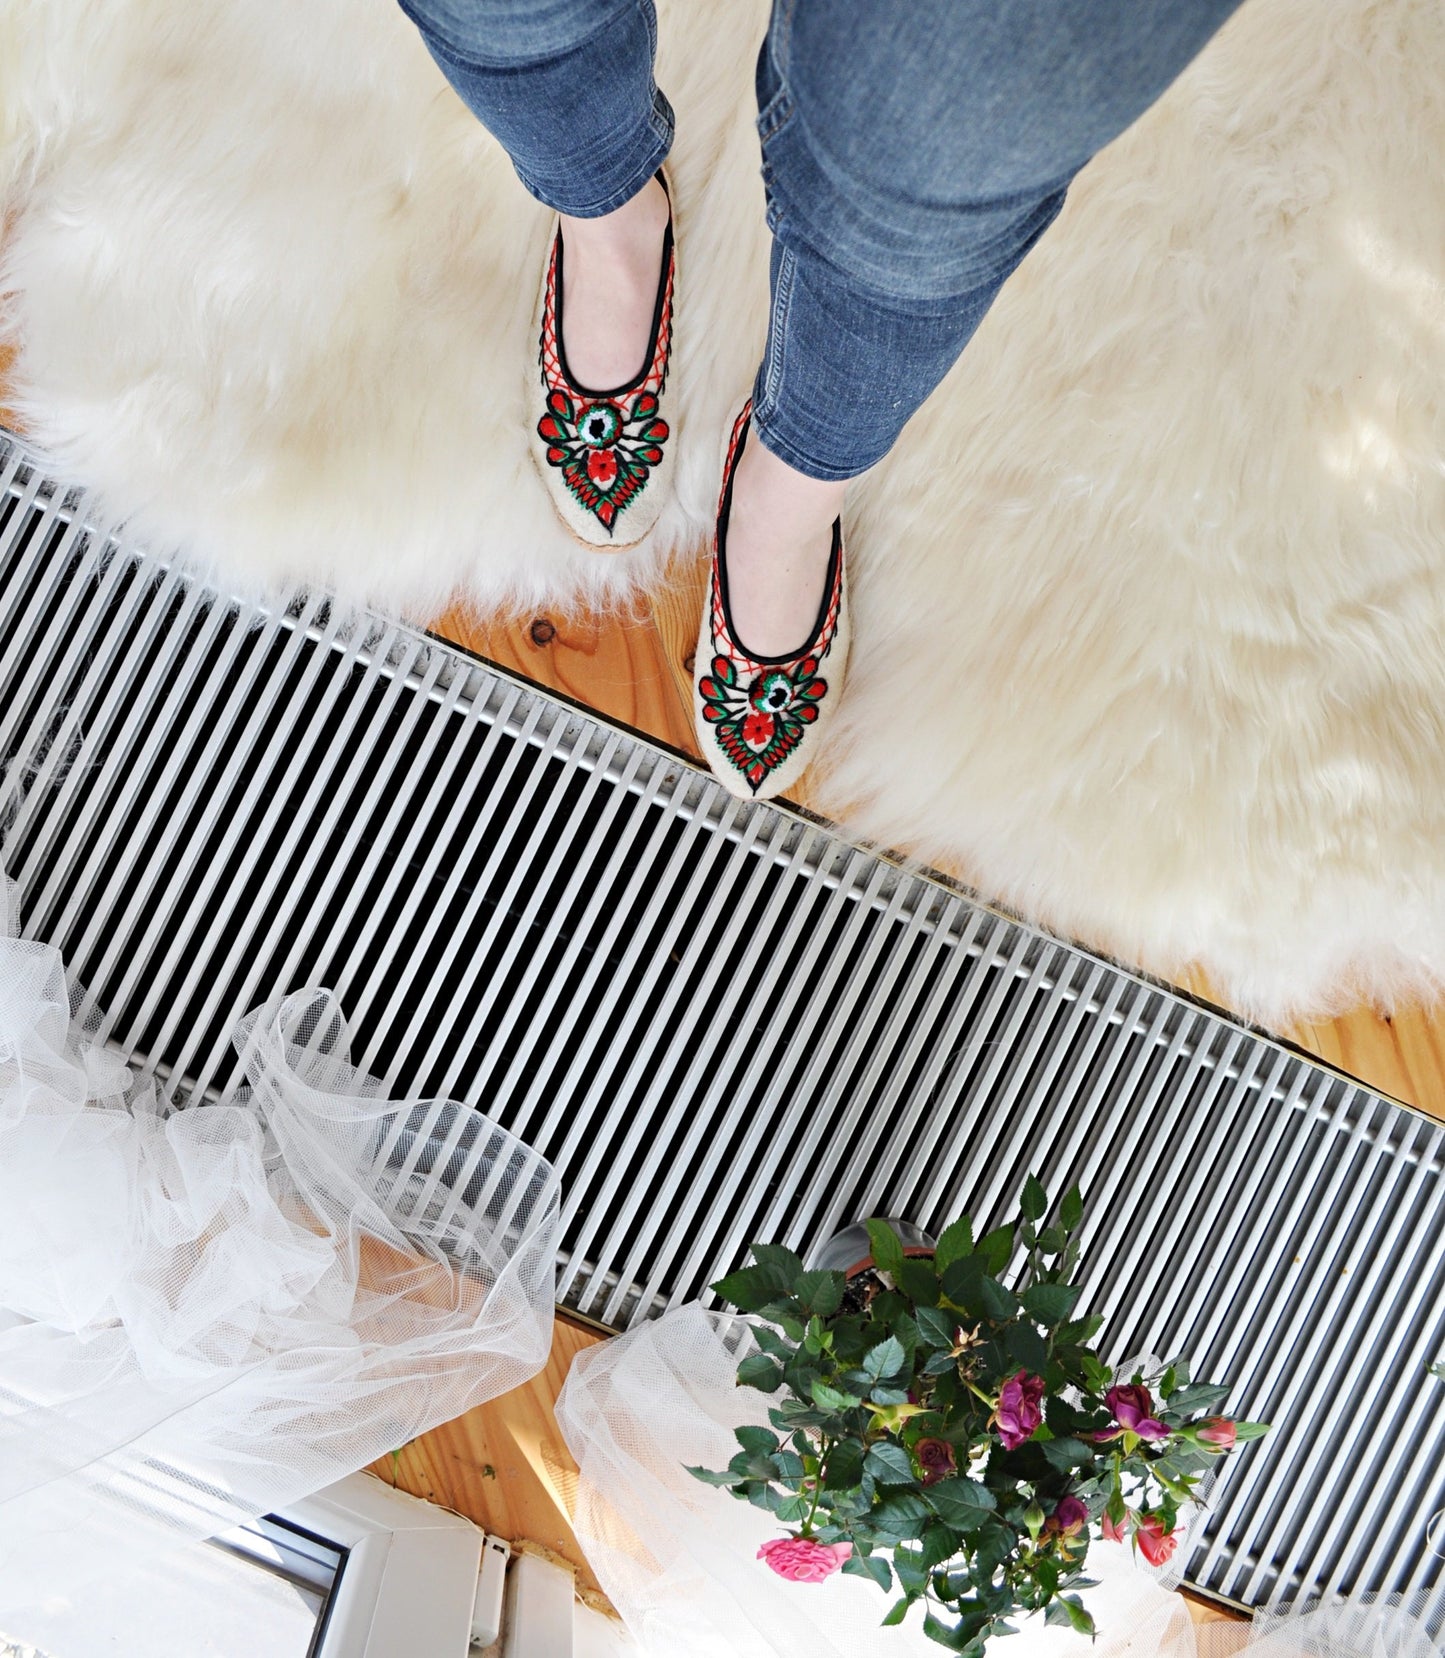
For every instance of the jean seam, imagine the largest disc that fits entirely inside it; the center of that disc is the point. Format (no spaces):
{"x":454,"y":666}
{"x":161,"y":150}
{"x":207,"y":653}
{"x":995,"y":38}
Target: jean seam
{"x":780,"y":108}
{"x":777,"y":346}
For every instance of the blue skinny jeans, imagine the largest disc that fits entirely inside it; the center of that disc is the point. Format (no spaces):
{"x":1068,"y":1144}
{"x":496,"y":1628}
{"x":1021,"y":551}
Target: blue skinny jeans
{"x":913,"y":151}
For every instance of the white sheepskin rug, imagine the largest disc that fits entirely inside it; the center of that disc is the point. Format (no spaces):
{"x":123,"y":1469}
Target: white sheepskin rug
{"x":1150,"y":599}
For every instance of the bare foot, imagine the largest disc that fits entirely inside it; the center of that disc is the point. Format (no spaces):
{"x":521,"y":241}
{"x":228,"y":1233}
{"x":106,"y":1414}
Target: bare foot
{"x":610,"y":268}
{"x":779,"y":536}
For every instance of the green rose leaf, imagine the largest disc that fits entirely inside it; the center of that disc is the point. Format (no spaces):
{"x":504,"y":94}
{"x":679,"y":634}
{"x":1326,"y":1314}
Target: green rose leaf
{"x":709,"y":1477}
{"x":821,"y":1293}
{"x":1050,"y":1303}
{"x":752,"y":1289}
{"x":961,"y":1279}
{"x":954,"y":1244}
{"x":762,"y":1440}
{"x":789,"y":1464}
{"x":899,"y":1517}
{"x":1035,"y":1200}
{"x":940,"y":1543}
{"x":1071,"y":1210}
{"x":772,"y":1342}
{"x":912,"y":1573}
{"x":793,"y":1509}
{"x":760,"y":1371}
{"x":886,"y":1359}
{"x":896,"y":1613}
{"x":935,"y":1326}
{"x":1250,"y":1430}
{"x":1026,"y":1347}
{"x":829,"y":1398}
{"x":1076,"y":1613}
{"x":1097,"y":1374}
{"x":918,"y":1279}
{"x":1197,"y":1397}
{"x":1066,"y":1453}
{"x":844,"y":1465}
{"x":787,"y":1263}
{"x":886,"y":1246}
{"x":1079,"y":1330}
{"x":961,"y":1503}
{"x":889,"y":1463}
{"x":874,"y":1566}
{"x":964,"y":1636}
{"x":998,"y":1302}
{"x":996,"y":1249}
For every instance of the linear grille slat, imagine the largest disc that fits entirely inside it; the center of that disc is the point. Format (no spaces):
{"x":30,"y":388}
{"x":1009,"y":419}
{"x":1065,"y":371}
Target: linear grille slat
{"x":720,"y":1021}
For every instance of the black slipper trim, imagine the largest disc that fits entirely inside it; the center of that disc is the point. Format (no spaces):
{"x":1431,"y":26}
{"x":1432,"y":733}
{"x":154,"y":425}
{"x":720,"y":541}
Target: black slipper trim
{"x":724,"y":513}
{"x":637,"y":379}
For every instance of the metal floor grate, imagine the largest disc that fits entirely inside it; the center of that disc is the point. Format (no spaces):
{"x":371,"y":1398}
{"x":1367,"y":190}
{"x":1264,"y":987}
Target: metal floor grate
{"x":719,"y":1021}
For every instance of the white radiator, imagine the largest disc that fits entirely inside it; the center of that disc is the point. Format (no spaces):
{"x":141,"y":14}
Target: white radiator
{"x":720,"y":1021}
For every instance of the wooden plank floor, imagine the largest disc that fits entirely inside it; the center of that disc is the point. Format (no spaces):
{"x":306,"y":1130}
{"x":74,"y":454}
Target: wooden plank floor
{"x":504,"y":1464}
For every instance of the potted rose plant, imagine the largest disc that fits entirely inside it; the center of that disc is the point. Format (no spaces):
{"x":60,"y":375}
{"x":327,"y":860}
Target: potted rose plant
{"x":951,"y":1433}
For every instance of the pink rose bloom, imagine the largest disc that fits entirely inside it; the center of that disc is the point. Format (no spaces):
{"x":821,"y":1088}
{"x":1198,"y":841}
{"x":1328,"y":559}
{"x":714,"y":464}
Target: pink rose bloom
{"x":1218,"y":1433}
{"x":802,"y":1560}
{"x":935,"y":1460}
{"x":1155,"y":1544}
{"x":1131,"y":1406}
{"x":1019,"y":1414}
{"x":1119,"y":1533}
{"x":1071,"y":1516}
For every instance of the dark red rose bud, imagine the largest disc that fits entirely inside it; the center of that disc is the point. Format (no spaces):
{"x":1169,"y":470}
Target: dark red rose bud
{"x":935,"y":1460}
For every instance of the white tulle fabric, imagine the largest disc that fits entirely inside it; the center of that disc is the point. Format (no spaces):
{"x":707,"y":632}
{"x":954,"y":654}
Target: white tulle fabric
{"x":209,"y":1313}
{"x":677,"y":1557}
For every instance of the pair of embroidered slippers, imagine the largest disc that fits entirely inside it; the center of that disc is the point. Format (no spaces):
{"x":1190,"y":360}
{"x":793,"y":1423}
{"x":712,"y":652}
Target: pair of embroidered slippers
{"x":604,"y":457}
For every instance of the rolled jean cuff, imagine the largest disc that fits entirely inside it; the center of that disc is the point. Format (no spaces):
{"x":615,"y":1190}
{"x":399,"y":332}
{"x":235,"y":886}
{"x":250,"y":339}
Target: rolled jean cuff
{"x":636,"y":159}
{"x":568,"y":92}
{"x":772,"y":432}
{"x":845,"y":367}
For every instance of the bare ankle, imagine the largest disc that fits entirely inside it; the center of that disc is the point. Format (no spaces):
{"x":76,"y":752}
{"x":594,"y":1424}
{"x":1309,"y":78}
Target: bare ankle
{"x":609,"y":288}
{"x":780,"y":534}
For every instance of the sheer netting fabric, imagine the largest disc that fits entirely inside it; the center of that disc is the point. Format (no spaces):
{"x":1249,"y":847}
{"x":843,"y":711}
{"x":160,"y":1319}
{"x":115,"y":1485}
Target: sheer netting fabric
{"x":211,"y":1312}
{"x":678,"y":1558}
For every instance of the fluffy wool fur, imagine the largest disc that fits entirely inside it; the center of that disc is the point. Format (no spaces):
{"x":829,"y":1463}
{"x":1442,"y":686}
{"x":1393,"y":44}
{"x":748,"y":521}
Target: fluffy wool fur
{"x":1149,"y":601}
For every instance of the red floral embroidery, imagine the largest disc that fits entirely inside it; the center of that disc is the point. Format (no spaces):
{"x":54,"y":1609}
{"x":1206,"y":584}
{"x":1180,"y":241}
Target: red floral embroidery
{"x":760,"y":712}
{"x":758,"y":730}
{"x":605,"y":447}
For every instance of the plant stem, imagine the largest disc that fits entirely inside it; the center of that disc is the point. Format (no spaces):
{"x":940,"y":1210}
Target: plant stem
{"x":978,"y":1393}
{"x":817,"y":1485}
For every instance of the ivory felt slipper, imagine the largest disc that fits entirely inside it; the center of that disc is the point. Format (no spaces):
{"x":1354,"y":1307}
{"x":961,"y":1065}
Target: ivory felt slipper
{"x":604,"y":455}
{"x":759,"y":718}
